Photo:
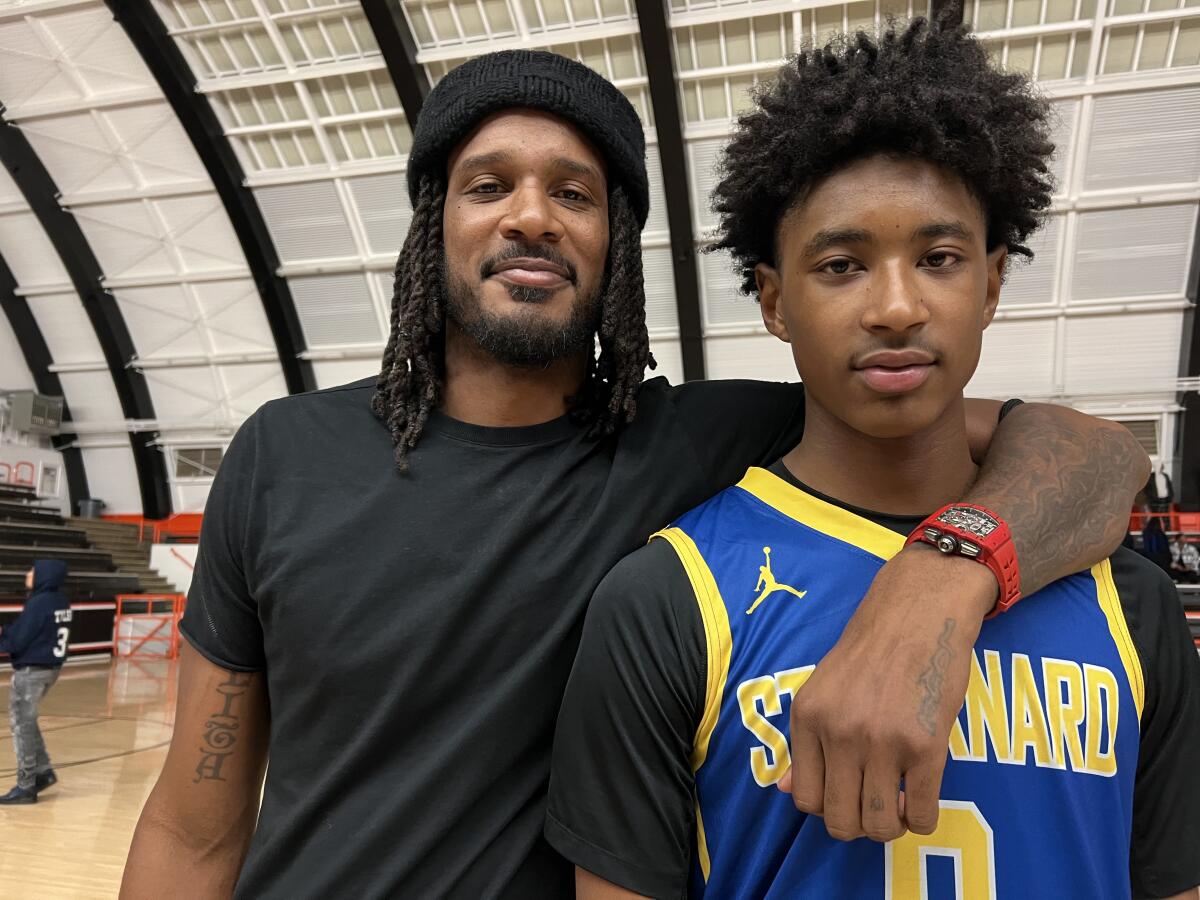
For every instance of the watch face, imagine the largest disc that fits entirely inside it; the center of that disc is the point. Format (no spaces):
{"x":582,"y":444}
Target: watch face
{"x":977,"y":523}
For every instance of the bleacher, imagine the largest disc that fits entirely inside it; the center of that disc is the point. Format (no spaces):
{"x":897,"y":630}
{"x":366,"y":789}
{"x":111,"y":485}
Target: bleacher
{"x":28,"y":532}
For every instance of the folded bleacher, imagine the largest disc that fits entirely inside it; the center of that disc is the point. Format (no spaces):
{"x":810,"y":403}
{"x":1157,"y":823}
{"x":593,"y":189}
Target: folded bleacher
{"x":28,"y":532}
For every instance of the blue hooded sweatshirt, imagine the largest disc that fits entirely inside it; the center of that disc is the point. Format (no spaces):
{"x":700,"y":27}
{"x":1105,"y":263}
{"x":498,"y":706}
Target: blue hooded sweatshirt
{"x":40,"y":634}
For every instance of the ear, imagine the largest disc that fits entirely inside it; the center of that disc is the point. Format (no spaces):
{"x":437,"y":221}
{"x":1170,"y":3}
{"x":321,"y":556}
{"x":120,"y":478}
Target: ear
{"x":997,"y":260}
{"x":770,"y":295}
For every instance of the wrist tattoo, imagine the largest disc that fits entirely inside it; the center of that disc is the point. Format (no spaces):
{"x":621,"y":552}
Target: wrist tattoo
{"x":220,"y":731}
{"x":933,"y":678}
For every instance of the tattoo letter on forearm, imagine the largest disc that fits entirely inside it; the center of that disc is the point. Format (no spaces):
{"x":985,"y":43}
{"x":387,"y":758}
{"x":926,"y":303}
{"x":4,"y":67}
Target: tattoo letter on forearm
{"x":220,"y":731}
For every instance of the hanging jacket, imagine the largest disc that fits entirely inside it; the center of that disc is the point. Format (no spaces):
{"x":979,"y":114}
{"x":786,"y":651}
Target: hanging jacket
{"x":40,"y":635}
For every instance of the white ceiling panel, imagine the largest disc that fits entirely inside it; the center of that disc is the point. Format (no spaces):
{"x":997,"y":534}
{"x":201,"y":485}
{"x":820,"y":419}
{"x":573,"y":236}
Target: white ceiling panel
{"x":656,"y":223}
{"x":127,"y":148}
{"x":1137,"y":252}
{"x":1150,"y":137}
{"x":66,"y":56}
{"x":1032,"y":283}
{"x":161,"y":238}
{"x":659,"y":277}
{"x":1064,"y":116}
{"x":66,"y":328}
{"x":250,"y":386}
{"x":332,"y":373}
{"x":233,"y":316}
{"x":306,"y":220}
{"x":669,"y":356}
{"x":119,"y":487}
{"x":1125,"y":354}
{"x":162,"y":321}
{"x":703,"y":156}
{"x":92,"y":398}
{"x":724,"y":303}
{"x":381,"y":202}
{"x":764,"y":357}
{"x":1017,"y":360}
{"x":29,"y":252}
{"x":186,"y":394}
{"x":336,"y":310}
{"x":14,"y":374}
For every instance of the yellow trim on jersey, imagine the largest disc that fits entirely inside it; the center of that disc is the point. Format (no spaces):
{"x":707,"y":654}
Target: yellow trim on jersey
{"x":719,"y":642}
{"x":821,"y":516}
{"x":1110,"y":602}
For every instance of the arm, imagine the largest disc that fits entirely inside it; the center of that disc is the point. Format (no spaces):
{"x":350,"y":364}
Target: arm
{"x":196,"y":825}
{"x":621,"y":801}
{"x":15,"y":639}
{"x":593,"y":887}
{"x":881,"y":704}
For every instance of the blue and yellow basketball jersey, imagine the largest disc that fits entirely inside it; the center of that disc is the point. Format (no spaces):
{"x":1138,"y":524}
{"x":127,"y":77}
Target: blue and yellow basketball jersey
{"x":1037,"y":796}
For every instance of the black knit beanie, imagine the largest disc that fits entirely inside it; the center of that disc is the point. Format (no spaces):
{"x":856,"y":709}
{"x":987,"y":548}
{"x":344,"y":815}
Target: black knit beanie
{"x":538,"y":80}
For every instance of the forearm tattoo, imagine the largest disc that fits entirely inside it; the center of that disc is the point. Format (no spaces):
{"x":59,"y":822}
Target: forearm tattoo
{"x":1066,"y":499}
{"x":934,"y":677}
{"x":221,"y":730}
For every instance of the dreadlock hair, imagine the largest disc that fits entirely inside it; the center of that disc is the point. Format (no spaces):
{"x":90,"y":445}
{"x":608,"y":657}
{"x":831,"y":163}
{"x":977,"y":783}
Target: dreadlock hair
{"x":409,"y":386}
{"x":928,"y":92}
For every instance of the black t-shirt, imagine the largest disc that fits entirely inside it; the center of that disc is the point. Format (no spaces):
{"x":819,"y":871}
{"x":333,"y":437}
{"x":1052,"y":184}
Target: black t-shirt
{"x":417,"y":631}
{"x":622,"y":787}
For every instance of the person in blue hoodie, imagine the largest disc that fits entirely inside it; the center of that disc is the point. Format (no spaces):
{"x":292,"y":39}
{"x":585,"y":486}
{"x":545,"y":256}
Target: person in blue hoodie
{"x":37,"y":647}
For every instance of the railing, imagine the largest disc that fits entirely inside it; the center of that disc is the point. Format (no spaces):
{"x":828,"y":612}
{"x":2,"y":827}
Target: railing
{"x":147,"y":625}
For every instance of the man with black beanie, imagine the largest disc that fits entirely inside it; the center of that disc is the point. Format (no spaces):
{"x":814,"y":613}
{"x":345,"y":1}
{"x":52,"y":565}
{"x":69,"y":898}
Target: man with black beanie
{"x":393,"y":574}
{"x":36,"y":644}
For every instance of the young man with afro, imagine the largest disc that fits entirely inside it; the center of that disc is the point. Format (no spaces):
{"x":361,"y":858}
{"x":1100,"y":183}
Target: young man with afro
{"x":873,"y":200}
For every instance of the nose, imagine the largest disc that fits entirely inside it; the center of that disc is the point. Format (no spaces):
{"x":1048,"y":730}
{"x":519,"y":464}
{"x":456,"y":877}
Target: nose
{"x":530,"y":216}
{"x":894,"y":302}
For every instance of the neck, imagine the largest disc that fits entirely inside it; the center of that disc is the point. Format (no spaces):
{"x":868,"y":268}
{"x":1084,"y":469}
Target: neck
{"x":480,"y":390}
{"x":911,"y":475}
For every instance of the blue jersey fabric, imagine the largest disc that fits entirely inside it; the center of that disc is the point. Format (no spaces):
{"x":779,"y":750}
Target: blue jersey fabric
{"x":40,"y":635}
{"x":1037,"y":796}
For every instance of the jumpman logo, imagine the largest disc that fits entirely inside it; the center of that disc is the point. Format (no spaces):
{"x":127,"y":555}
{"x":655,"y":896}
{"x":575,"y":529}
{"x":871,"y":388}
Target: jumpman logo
{"x":768,"y":585}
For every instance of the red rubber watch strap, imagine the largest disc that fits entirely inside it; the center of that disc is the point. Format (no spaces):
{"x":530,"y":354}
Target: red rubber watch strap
{"x":996,"y":551}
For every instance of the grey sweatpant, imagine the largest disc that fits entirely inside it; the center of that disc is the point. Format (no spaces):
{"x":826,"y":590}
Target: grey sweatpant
{"x":28,"y":688}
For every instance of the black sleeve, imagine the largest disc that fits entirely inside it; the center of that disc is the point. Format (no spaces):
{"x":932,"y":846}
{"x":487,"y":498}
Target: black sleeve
{"x":1165,"y":853}
{"x":622,"y":790}
{"x":221,"y":621}
{"x":738,"y":424}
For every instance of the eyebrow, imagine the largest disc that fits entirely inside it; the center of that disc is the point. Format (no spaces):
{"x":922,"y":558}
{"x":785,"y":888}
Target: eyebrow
{"x":501,"y":157}
{"x":945,"y":229}
{"x":832,"y":237}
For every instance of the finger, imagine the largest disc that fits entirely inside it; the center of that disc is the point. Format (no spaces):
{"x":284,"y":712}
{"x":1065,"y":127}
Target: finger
{"x":784,"y":784}
{"x":922,"y":785}
{"x":807,"y":772}
{"x":881,"y":802}
{"x":843,"y":798}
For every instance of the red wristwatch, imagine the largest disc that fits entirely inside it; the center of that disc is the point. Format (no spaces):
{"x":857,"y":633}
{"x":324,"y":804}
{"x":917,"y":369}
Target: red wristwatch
{"x":977,"y":533}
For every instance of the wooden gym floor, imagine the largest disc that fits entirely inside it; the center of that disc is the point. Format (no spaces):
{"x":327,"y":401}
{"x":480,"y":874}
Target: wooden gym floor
{"x":106,"y":728}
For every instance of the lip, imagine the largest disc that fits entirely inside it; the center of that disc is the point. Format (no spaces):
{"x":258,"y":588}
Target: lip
{"x":895,"y":371}
{"x":532,"y":272}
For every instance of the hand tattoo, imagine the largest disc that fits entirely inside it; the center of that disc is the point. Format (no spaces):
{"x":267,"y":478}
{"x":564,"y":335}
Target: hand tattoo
{"x":933,"y":678}
{"x":220,"y":731}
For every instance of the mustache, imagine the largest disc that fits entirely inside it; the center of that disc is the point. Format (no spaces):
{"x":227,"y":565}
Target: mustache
{"x":527,"y":251}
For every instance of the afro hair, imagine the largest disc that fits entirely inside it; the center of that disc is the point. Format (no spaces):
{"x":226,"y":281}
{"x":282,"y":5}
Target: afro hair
{"x":928,"y":92}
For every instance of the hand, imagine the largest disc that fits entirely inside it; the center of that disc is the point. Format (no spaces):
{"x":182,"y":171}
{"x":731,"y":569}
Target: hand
{"x":880,"y":706}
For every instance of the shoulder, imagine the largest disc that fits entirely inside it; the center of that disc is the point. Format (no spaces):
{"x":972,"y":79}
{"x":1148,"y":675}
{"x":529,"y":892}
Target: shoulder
{"x":646,"y":600}
{"x":1153,"y":614}
{"x":736,"y":394}
{"x":288,"y":425}
{"x":1141,"y":584}
{"x":351,"y":398}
